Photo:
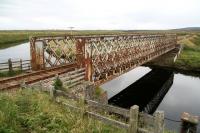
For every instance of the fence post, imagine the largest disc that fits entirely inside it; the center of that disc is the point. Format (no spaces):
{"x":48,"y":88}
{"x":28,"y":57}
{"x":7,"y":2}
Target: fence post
{"x":23,"y":84}
{"x":89,"y":91}
{"x":10,"y":65}
{"x":134,"y":111}
{"x":52,"y":92}
{"x":189,"y":123}
{"x":21,"y":64}
{"x":159,"y":122}
{"x":29,"y":67}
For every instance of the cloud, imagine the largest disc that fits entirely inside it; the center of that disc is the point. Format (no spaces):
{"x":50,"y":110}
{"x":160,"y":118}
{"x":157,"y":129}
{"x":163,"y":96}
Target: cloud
{"x":98,"y":14}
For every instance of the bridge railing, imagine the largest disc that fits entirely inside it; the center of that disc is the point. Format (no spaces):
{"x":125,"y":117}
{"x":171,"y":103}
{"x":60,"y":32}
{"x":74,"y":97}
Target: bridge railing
{"x":103,"y":56}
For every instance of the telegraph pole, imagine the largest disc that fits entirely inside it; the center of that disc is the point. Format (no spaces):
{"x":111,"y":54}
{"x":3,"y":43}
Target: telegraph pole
{"x":71,"y":29}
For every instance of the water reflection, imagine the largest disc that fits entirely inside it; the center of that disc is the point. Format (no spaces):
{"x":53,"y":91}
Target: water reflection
{"x":147,"y":92}
{"x":184,"y":96}
{"x":21,"y":51}
{"x":118,"y":84}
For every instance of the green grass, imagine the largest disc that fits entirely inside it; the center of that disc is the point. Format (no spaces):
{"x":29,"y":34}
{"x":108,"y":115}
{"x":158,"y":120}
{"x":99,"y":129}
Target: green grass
{"x":10,"y":73}
{"x":189,"y":58}
{"x":11,"y":38}
{"x":28,"y":111}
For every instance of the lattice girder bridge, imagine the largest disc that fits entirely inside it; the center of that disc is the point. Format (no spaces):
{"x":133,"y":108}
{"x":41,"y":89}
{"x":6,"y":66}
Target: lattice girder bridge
{"x":103,"y":56}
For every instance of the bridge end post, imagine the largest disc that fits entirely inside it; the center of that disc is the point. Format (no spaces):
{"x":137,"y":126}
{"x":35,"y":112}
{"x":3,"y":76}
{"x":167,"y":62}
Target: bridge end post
{"x":80,"y":50}
{"x":88,"y":62}
{"x":33,"y":53}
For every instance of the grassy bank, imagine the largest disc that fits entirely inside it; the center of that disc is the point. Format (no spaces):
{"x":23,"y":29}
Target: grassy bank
{"x":188,"y":61}
{"x":189,"y":58}
{"x":33,"y":111}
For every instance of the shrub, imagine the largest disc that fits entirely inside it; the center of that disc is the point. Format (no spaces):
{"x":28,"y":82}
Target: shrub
{"x":58,"y":85}
{"x":98,"y":91}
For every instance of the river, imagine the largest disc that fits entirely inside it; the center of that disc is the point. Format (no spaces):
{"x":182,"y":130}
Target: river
{"x":182,"y":96}
{"x":17,"y":52}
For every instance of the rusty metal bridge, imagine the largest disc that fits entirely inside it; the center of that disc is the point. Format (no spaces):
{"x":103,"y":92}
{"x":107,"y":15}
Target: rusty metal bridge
{"x":104,"y":57}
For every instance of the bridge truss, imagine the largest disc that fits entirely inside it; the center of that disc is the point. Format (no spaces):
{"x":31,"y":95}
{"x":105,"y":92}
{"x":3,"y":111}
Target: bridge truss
{"x":103,"y":56}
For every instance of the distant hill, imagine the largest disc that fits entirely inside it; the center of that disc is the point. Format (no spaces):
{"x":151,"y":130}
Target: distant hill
{"x":188,"y":29}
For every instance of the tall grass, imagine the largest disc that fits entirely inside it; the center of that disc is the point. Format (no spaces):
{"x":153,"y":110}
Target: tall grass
{"x":27,"y":111}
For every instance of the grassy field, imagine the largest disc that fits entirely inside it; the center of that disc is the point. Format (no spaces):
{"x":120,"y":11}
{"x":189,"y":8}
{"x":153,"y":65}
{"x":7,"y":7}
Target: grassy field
{"x":11,"y":38}
{"x":28,"y":111}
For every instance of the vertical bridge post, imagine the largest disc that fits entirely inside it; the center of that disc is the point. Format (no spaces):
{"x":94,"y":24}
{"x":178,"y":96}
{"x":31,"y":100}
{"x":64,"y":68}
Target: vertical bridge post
{"x":33,"y":53}
{"x":80,"y":50}
{"x":88,"y":62}
{"x":37,"y":54}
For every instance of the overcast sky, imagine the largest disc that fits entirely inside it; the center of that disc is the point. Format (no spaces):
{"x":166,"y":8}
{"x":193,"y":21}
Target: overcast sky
{"x":99,"y":14}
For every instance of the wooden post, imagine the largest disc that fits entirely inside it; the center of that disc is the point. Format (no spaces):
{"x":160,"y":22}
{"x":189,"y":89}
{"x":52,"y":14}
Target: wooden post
{"x":189,"y":123}
{"x":52,"y":92}
{"x":134,"y":111}
{"x":29,"y":67}
{"x":10,"y":65}
{"x":89,"y":92}
{"x":159,"y":122}
{"x":23,"y":84}
{"x":21,"y":65}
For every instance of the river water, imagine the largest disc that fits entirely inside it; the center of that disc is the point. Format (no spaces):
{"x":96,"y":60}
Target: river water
{"x":17,"y":52}
{"x":182,"y":96}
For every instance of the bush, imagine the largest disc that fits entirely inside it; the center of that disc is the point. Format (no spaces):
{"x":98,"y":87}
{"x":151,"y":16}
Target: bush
{"x":98,"y":92}
{"x":58,"y":85}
